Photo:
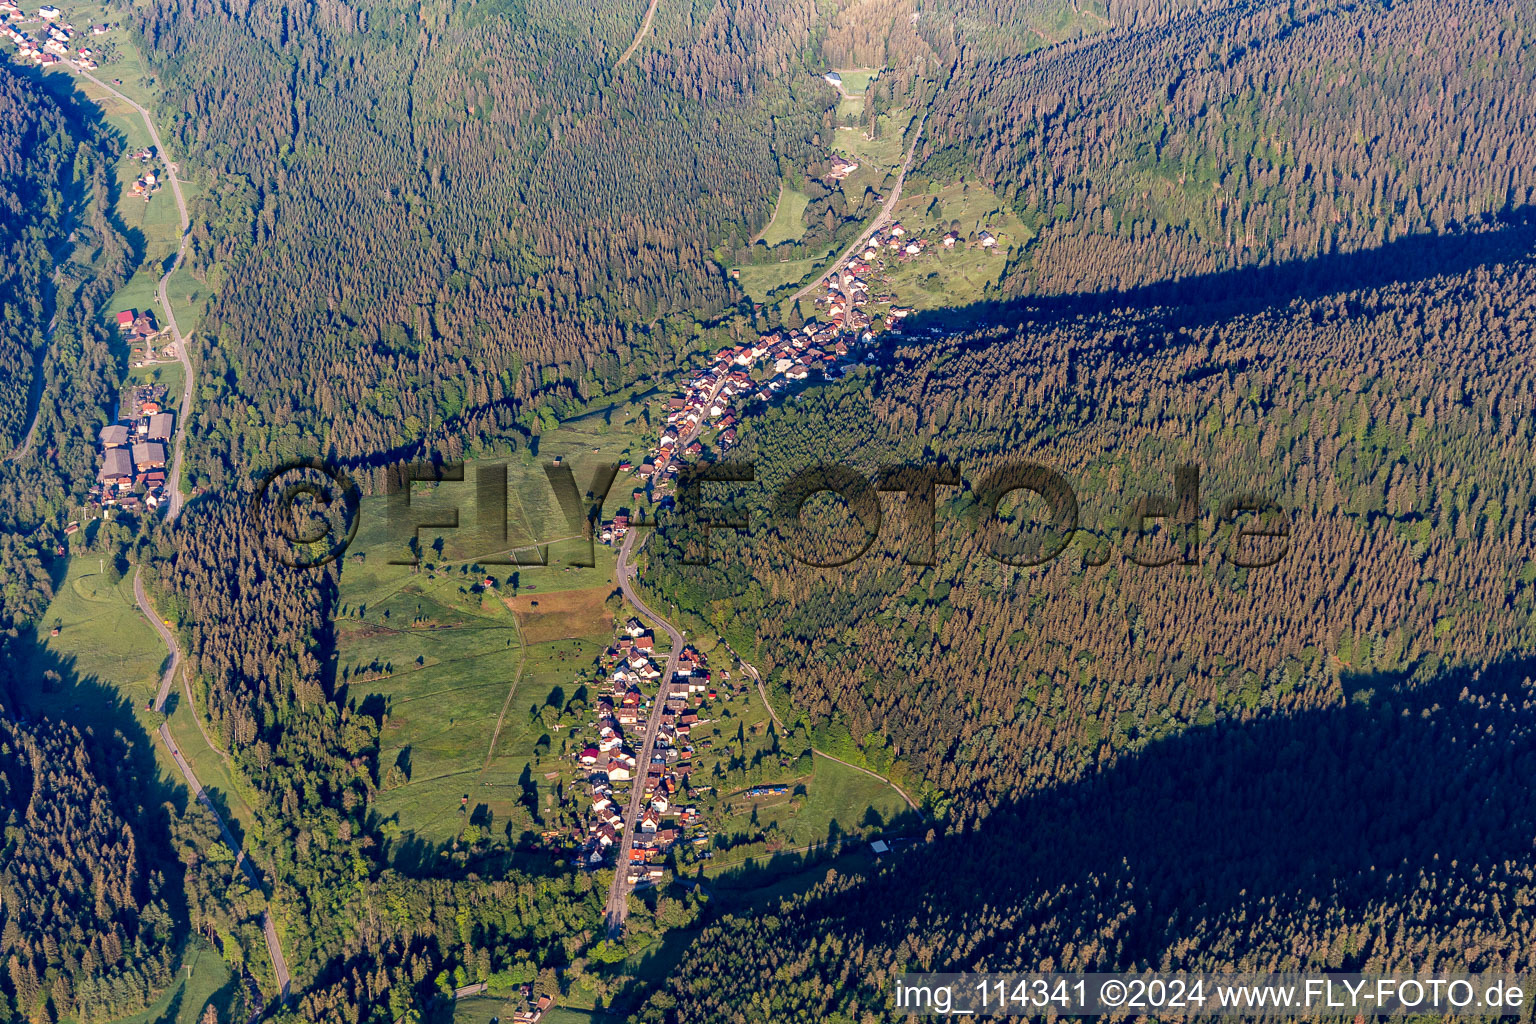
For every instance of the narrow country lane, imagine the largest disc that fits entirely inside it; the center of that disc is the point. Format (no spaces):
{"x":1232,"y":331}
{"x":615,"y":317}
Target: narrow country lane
{"x":274,"y":948}
{"x":188,"y":376}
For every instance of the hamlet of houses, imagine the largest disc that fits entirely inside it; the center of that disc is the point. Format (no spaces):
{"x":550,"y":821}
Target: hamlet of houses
{"x":610,"y":759}
{"x":778,"y":362}
{"x":53,"y":42}
{"x":133,"y":451}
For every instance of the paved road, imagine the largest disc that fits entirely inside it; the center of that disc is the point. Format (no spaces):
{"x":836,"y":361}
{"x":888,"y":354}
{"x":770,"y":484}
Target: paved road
{"x":645,"y":26}
{"x":188,"y":375}
{"x":887,"y":209}
{"x":618,"y":897}
{"x":274,"y":948}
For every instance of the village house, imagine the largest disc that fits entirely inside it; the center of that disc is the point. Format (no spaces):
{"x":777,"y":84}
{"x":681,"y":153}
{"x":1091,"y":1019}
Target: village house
{"x":148,"y":455}
{"x":117,"y":468}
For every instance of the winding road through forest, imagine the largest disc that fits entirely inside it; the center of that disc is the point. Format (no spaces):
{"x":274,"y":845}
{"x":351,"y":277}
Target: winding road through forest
{"x":177,"y":500}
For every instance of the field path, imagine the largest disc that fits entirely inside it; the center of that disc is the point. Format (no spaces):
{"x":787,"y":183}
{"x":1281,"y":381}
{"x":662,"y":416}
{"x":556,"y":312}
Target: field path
{"x":763,"y":693}
{"x":35,"y":393}
{"x":759,"y":236}
{"x":645,"y":26}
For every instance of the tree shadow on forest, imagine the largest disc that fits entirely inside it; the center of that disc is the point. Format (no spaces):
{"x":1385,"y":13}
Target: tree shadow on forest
{"x":38,"y":684}
{"x":1206,"y":298}
{"x":1258,"y":830}
{"x":85,"y":118}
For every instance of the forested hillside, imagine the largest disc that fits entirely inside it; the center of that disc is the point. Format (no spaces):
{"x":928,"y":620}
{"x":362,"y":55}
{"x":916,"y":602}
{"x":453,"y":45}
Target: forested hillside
{"x":85,"y":922}
{"x":1311,"y":765}
{"x":1405,"y":488}
{"x":1333,"y":839}
{"x":1253,"y":134}
{"x":375,"y":943}
{"x":430,"y":221}
{"x":36,"y":160}
{"x":64,"y":258}
{"x":1287,"y":244}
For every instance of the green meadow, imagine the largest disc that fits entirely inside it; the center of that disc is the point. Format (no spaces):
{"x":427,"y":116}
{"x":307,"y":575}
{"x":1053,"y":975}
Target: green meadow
{"x":461,"y":667}
{"x":202,"y":978}
{"x":856,"y":80}
{"x":879,"y":156}
{"x":102,"y":635}
{"x":760,"y":280}
{"x":786,"y":225}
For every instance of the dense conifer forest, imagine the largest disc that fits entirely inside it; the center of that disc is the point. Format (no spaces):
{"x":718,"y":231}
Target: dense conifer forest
{"x":433,"y":221}
{"x":1288,"y":244}
{"x":86,"y":918}
{"x":65,"y":255}
{"x":1249,"y":134}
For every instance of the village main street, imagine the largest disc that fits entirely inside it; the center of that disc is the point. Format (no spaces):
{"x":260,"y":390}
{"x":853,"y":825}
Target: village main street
{"x":887,"y":211}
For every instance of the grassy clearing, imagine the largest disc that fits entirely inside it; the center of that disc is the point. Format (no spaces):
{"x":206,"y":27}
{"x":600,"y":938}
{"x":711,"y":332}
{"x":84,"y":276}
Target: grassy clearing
{"x":884,"y":152}
{"x":230,"y":792}
{"x":458,"y":665}
{"x":153,"y":226}
{"x":442,"y":658}
{"x":786,"y":225}
{"x":484,"y":1009}
{"x":169,"y":373}
{"x":189,"y":297}
{"x":102,"y":635}
{"x":125,"y":69}
{"x":112,"y":660}
{"x":533,"y":515}
{"x":833,"y":800}
{"x":759,"y":281}
{"x":957,"y":277}
{"x":202,"y":978}
{"x":856,"y":80}
{"x":138,"y":292}
{"x":525,"y":781}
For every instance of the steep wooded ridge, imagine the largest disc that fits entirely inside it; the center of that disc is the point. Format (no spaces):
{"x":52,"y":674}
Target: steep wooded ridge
{"x":1256,"y":134}
{"x":1332,"y":839}
{"x":64,"y":258}
{"x":1287,"y":243}
{"x":35,"y":165}
{"x":1404,"y":486}
{"x":85,"y":919}
{"x":431,"y":222}
{"x":1375,"y":395}
{"x":1201,"y":767}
